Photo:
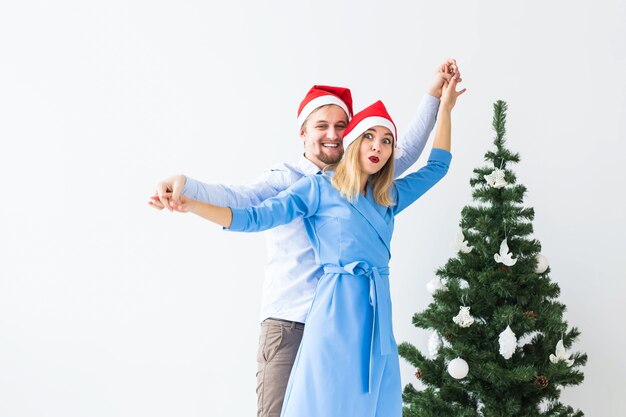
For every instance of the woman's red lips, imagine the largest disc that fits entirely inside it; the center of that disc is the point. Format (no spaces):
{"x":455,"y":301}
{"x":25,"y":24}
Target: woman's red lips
{"x":374,"y":159}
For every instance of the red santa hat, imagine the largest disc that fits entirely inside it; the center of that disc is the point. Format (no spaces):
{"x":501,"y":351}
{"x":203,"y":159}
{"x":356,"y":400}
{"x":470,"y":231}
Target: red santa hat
{"x":374,"y":115}
{"x":320,"y":95}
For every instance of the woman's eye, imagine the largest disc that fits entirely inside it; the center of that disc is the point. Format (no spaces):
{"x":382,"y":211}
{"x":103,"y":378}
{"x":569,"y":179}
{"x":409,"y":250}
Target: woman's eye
{"x":367,"y":136}
{"x":387,"y":141}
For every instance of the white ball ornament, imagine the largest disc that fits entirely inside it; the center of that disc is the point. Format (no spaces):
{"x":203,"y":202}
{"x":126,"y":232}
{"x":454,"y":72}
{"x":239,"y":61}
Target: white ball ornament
{"x":542,"y":264}
{"x":458,"y":368}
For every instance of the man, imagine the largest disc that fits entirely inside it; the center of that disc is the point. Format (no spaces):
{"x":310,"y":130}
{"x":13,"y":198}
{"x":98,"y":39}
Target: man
{"x":292,"y":273}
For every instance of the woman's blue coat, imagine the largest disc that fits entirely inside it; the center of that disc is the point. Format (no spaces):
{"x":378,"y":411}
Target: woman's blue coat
{"x":347,"y":364}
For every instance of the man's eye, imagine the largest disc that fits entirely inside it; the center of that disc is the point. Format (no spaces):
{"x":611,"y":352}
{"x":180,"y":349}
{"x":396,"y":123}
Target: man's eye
{"x":321,"y":127}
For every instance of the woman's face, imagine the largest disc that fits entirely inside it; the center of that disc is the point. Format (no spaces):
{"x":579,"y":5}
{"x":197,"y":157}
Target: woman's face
{"x":376,"y":149}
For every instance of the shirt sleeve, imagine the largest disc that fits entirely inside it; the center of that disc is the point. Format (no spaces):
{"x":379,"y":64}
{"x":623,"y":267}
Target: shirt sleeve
{"x":414,"y":185}
{"x":267,"y":185}
{"x":301,"y":199}
{"x":414,"y":140}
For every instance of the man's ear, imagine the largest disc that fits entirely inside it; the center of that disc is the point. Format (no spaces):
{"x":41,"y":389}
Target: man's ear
{"x":302,"y":133}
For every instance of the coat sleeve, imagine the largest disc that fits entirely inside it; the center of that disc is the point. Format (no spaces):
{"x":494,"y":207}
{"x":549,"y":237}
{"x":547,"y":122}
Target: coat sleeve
{"x":301,"y":199}
{"x":414,"y":185}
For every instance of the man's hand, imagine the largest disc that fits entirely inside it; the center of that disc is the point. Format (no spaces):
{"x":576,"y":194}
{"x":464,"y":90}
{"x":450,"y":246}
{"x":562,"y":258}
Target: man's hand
{"x":168,"y":193}
{"x":182,"y":205}
{"x":444,"y":74}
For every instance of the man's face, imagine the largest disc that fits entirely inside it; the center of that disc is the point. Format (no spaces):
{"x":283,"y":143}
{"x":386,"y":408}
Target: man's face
{"x":323,"y":135}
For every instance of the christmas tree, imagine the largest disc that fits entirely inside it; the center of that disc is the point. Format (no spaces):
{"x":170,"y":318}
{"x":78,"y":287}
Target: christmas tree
{"x":498,"y":344}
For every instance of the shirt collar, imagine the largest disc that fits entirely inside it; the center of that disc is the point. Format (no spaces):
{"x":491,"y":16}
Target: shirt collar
{"x":307,"y":167}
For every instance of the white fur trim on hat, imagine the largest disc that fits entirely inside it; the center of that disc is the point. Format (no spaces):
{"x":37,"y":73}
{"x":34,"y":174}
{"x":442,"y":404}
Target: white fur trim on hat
{"x":365,"y":124}
{"x":317,"y":102}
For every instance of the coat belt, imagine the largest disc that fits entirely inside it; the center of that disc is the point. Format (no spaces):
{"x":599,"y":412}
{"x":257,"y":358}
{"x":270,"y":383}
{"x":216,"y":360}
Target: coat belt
{"x":379,"y":300}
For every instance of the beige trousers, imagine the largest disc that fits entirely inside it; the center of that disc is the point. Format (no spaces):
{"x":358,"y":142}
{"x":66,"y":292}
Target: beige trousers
{"x":278,"y":345}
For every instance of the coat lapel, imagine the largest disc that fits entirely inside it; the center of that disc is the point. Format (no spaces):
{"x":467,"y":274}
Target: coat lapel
{"x":374,"y":218}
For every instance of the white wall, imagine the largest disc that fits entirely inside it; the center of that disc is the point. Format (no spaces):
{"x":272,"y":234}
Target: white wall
{"x":110,"y":308}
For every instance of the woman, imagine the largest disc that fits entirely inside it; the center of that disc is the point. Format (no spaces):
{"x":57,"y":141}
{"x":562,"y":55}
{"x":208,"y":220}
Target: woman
{"x":347,"y":364}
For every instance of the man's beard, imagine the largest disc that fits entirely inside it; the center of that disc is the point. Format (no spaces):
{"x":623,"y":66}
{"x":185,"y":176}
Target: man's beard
{"x":328,"y":159}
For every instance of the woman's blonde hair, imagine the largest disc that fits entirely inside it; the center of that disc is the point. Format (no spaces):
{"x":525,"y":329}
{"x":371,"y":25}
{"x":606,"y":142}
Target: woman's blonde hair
{"x":347,"y":178}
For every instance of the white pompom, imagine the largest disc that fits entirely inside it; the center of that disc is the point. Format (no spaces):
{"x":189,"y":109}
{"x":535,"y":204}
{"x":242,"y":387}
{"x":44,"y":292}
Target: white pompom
{"x":542,"y":264}
{"x":508,"y":342}
{"x":434,"y":344}
{"x":458,"y":368}
{"x":434,"y":285}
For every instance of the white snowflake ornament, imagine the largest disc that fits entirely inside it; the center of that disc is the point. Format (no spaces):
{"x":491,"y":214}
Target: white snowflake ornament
{"x":463,"y":284}
{"x":508,"y":342}
{"x":561,"y":355}
{"x":434,"y":285}
{"x":434,"y":344}
{"x":460,"y":243}
{"x":496,"y":178}
{"x":463,"y":319}
{"x":505,"y":257}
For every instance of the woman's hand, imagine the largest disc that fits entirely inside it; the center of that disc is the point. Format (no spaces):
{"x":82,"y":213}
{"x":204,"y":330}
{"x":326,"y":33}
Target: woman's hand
{"x":183,"y":205}
{"x":449,"y":94}
{"x":222,"y":216}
